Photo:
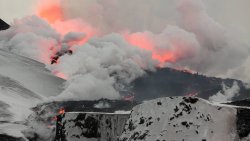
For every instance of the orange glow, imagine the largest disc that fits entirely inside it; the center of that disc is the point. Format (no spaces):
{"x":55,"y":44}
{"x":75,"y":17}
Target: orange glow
{"x":50,"y":10}
{"x":61,"y":75}
{"x":194,"y":94}
{"x":61,"y":111}
{"x":186,"y":70}
{"x":145,"y":42}
{"x":75,"y":25}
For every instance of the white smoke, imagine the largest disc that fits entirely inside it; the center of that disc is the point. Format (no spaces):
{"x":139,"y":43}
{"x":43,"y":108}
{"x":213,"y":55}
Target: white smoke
{"x":222,"y":54}
{"x":31,"y":37}
{"x":102,"y":104}
{"x":173,"y":43}
{"x":226,"y":94}
{"x":100,"y":67}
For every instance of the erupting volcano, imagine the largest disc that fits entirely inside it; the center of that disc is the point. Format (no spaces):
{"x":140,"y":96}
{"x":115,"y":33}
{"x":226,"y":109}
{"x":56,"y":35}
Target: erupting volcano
{"x":53,"y":13}
{"x":73,"y":70}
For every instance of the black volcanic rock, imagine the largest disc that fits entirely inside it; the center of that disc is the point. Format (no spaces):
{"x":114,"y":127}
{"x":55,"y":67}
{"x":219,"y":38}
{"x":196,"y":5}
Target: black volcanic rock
{"x":3,"y":25}
{"x":9,"y":138}
{"x":244,"y":102}
{"x":243,"y":117}
{"x":45,"y":114}
{"x":90,"y":126}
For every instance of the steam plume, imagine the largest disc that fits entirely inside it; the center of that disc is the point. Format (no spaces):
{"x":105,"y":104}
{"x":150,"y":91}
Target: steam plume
{"x":115,"y":41}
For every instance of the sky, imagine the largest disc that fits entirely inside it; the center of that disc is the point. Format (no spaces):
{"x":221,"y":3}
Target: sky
{"x":11,"y":9}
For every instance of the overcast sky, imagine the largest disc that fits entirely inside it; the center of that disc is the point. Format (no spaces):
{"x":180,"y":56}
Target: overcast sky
{"x":10,"y":9}
{"x":233,"y":14}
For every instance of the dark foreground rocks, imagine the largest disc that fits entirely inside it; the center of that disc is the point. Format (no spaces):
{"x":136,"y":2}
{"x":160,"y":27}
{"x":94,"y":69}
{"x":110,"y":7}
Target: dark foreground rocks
{"x":90,"y":126}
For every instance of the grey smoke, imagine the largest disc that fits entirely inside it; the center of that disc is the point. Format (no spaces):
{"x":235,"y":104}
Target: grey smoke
{"x":103,"y":65}
{"x":226,"y":94}
{"x":223,"y":53}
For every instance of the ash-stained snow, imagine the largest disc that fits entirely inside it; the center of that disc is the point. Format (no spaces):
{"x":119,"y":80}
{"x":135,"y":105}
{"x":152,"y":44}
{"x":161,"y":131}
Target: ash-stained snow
{"x":181,"y":119}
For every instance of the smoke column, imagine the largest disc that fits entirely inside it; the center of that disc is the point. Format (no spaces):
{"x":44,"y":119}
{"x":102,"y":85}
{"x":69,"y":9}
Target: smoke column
{"x":115,"y":41}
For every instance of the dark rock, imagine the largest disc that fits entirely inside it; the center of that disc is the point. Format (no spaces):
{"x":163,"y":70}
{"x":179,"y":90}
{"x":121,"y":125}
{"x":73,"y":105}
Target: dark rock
{"x":243,"y":122}
{"x":167,"y":82}
{"x":83,"y":126}
{"x":4,"y":137}
{"x":3,"y":25}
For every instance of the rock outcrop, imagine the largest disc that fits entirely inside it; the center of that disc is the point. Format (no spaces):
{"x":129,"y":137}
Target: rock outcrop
{"x":75,"y":126}
{"x":3,"y":25}
{"x":186,"y":119}
{"x":163,"y":119}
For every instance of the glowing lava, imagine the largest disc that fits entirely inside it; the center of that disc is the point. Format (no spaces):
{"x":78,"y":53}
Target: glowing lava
{"x":61,"y":111}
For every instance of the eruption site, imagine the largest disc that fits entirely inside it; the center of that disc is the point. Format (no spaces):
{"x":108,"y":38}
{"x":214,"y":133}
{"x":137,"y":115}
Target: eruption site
{"x":100,"y":45}
{"x":79,"y":66}
{"x":172,"y":50}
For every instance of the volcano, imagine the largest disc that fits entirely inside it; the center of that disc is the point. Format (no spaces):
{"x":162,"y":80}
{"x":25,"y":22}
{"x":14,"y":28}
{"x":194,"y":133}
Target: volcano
{"x":170,"y":82}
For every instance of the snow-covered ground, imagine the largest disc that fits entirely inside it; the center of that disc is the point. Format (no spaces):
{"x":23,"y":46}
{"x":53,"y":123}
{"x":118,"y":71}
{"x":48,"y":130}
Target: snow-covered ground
{"x":181,"y":118}
{"x":30,"y":74}
{"x":23,"y":84}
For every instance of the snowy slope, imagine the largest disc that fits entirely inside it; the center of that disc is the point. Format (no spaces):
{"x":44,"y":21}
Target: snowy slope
{"x":15,"y":100}
{"x":23,"y":84}
{"x":29,"y":73}
{"x":181,"y":119}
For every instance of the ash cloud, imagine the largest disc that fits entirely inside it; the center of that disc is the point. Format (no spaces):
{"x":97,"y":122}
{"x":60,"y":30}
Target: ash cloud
{"x":115,"y":41}
{"x":222,"y":53}
{"x":101,"y":67}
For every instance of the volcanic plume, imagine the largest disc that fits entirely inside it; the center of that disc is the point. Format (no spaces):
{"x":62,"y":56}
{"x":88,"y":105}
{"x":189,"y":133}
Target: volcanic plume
{"x":114,"y":42}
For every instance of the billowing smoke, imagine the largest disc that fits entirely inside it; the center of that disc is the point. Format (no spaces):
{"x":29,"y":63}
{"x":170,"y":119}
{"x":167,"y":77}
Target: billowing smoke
{"x":144,"y":23}
{"x":226,"y":94}
{"x":102,"y":66}
{"x":115,"y":41}
{"x":221,"y":54}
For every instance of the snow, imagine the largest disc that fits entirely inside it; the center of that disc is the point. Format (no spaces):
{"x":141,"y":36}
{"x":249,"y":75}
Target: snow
{"x":23,"y":84}
{"x":31,"y":74}
{"x":176,"y":118}
{"x":13,"y":130}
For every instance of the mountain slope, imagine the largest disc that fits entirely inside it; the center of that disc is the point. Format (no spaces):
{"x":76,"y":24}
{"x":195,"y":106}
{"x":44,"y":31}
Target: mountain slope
{"x":23,"y":84}
{"x":30,"y":74}
{"x":169,"y":82}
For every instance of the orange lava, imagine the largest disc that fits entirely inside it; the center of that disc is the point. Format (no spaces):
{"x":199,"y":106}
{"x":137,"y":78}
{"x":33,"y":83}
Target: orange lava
{"x":61,"y":111}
